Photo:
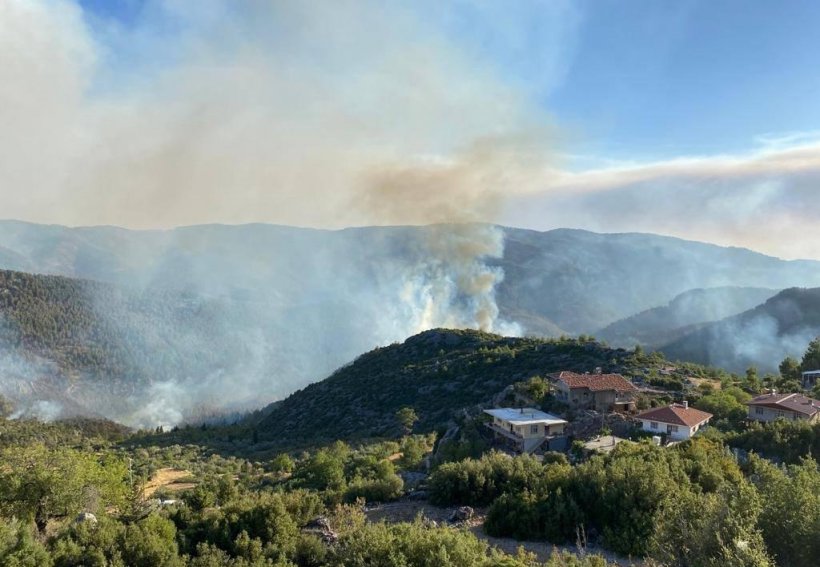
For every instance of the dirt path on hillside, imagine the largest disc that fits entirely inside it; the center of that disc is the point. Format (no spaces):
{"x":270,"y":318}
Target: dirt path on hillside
{"x":167,"y":478}
{"x":409,"y":510}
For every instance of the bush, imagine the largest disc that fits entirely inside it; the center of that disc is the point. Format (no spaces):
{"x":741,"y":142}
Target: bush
{"x":19,"y":547}
{"x":479,"y":482}
{"x":788,"y":441}
{"x":790,"y":516}
{"x":417,"y":545}
{"x":379,"y":490}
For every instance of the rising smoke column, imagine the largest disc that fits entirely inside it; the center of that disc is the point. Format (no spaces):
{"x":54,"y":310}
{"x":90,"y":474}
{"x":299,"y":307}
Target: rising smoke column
{"x":453,"y":285}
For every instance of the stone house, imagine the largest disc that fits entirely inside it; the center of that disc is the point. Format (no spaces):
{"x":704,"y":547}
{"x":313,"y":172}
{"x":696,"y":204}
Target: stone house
{"x":602,"y":392}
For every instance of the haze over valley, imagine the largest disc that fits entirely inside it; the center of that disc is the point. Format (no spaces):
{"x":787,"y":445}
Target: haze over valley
{"x":417,"y":283}
{"x":160,"y":327}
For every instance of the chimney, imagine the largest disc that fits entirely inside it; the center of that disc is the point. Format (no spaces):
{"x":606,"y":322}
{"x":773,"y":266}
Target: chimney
{"x":685,"y":404}
{"x":598,"y":370}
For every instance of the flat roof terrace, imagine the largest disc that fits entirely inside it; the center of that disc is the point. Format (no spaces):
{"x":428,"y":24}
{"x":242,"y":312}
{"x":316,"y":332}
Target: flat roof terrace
{"x":524,"y":416}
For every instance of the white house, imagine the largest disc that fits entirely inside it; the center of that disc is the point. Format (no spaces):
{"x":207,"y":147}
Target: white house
{"x":524,"y":429}
{"x":678,"y":421}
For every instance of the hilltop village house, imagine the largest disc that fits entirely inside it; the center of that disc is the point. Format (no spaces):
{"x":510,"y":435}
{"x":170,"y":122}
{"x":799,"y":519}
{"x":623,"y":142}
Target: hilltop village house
{"x":810,"y":378}
{"x":602,"y":392}
{"x":526,"y":429}
{"x":678,"y":421}
{"x":769,"y":407}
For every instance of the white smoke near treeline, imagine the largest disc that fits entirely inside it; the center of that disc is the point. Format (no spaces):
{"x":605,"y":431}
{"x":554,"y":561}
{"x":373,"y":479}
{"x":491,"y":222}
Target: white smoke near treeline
{"x":454,"y":286}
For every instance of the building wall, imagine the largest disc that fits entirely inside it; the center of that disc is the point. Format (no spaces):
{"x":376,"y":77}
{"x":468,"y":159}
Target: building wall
{"x":535,"y":431}
{"x":682,"y":433}
{"x":584,"y":398}
{"x":602,"y":401}
{"x":562,"y":392}
{"x":809,"y":379}
{"x":760,"y":413}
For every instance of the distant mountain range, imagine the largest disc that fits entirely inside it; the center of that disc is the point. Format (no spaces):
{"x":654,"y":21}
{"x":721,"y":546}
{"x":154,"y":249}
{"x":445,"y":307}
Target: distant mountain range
{"x":560,"y":280}
{"x":232,"y":315}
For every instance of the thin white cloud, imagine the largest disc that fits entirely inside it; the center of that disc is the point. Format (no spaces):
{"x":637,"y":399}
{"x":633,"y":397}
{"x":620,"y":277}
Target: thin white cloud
{"x":765,"y":200}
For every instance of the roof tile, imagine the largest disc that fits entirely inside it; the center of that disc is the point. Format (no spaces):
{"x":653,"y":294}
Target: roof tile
{"x":790,"y":402}
{"x":676,"y":414}
{"x":595,"y":382}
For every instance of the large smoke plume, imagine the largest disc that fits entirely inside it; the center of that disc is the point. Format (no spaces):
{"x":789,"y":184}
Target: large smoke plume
{"x":454,"y":287}
{"x":331,"y":115}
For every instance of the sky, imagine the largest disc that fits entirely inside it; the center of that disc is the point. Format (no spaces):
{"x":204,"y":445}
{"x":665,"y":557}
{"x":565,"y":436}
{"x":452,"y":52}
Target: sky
{"x":697,"y":119}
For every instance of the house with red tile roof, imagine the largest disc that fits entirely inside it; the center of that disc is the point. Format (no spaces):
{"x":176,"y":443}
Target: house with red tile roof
{"x":796,"y":407}
{"x":603,"y":392}
{"x":677,"y":421}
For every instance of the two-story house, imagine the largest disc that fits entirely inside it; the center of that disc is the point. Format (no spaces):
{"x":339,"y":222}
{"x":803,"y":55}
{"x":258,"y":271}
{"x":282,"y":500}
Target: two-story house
{"x":771,"y":406}
{"x":525,"y":429}
{"x":603,"y":392}
{"x":678,"y":421}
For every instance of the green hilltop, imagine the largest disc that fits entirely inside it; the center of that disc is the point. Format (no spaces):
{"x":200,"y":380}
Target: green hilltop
{"x":438,"y":373}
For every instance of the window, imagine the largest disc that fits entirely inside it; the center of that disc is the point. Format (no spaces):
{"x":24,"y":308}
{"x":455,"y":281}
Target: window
{"x":759,"y":410}
{"x":672,"y":429}
{"x":653,"y":424}
{"x":533,"y":429}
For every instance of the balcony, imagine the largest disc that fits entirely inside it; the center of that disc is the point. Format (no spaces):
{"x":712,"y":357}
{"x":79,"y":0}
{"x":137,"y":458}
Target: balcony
{"x":505,"y":432}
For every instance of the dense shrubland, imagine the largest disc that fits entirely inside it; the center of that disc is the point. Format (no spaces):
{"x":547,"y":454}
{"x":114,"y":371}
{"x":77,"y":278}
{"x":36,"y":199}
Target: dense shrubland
{"x":689,"y":505}
{"x":238,"y":513}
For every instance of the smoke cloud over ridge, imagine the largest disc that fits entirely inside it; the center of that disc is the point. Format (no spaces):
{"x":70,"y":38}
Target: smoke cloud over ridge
{"x":328,"y":115}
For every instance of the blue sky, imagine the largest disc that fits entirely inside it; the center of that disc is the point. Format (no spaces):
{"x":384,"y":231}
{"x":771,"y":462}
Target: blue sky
{"x":693,"y":118}
{"x":633,"y":79}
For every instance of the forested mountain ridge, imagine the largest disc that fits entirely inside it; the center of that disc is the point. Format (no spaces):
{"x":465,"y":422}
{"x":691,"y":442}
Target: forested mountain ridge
{"x":86,"y":344}
{"x":562,"y":280}
{"x":661,"y":325}
{"x":150,"y":357}
{"x":209,"y":316}
{"x":780,"y":327}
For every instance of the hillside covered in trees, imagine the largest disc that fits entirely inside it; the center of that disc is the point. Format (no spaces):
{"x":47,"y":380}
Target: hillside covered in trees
{"x":661,"y":325}
{"x":782,"y":326}
{"x":438,"y":373}
{"x":140,"y":356}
